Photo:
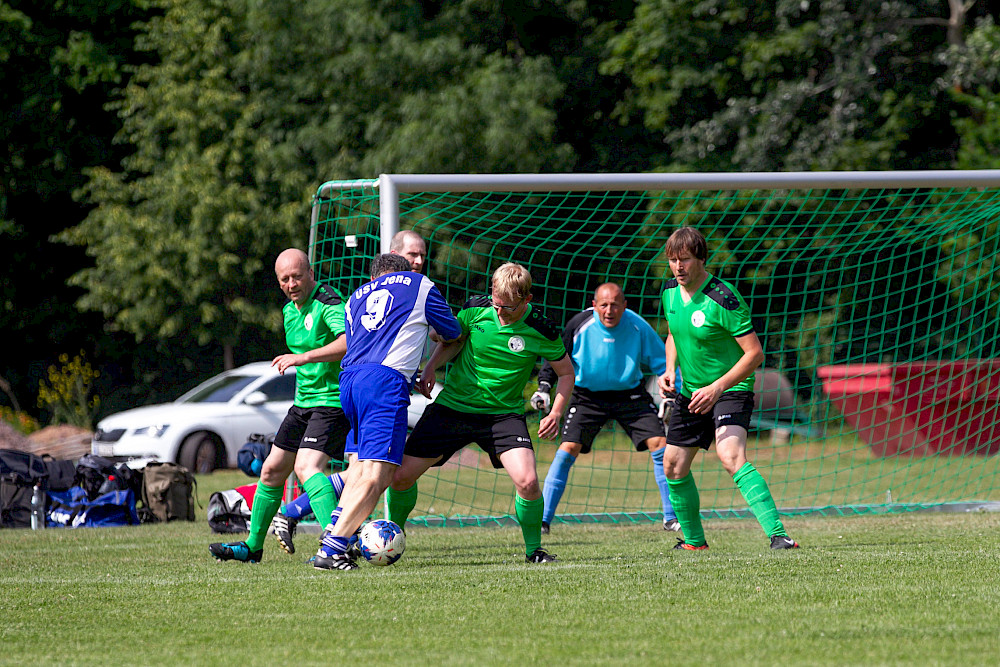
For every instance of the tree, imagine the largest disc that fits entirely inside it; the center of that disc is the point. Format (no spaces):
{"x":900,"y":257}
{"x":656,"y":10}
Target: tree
{"x":59,"y":62}
{"x":244,"y":109}
{"x":790,"y":85}
{"x":573,"y":34}
{"x":973,"y":80}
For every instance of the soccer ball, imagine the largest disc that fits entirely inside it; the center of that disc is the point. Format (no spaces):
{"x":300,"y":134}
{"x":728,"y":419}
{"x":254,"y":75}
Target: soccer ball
{"x":382,"y":542}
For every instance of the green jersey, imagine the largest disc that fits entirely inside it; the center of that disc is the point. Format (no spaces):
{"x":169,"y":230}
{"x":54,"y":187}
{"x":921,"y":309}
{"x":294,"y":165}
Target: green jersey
{"x":489,"y":374}
{"x":705,"y":330}
{"x":318,"y":322}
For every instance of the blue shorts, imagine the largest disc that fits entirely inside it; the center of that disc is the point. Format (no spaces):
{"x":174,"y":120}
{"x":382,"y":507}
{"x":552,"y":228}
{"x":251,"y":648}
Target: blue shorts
{"x":375,"y":399}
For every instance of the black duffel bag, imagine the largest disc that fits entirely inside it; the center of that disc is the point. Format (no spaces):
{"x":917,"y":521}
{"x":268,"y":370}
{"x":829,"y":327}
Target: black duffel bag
{"x":20,"y":472}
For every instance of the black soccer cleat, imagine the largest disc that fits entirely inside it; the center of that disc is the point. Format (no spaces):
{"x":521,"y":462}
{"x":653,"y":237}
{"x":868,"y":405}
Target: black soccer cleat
{"x":354,"y":549}
{"x":334,"y":562}
{"x":783,"y":542}
{"x":545,"y":528}
{"x":235,"y":551}
{"x":540,"y":555}
{"x":284,"y":530}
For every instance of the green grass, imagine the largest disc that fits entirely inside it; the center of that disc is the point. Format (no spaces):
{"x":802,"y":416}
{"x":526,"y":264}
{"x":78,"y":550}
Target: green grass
{"x":879,"y":590}
{"x":838,"y":470}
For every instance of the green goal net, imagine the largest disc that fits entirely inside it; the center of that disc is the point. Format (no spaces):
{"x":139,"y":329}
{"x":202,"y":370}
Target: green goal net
{"x":876,"y":297}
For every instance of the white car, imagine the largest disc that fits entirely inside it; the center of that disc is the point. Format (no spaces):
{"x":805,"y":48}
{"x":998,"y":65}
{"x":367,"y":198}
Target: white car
{"x":205,"y":428}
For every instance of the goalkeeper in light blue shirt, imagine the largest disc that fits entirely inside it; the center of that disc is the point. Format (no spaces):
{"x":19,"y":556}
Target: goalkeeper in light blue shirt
{"x":612,"y":349}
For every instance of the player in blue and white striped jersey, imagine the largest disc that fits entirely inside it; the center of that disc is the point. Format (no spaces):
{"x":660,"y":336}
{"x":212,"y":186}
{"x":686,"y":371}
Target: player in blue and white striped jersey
{"x":387,"y":324}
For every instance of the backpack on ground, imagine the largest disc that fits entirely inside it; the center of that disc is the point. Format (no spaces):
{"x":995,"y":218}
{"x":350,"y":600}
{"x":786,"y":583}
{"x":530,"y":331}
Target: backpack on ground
{"x":20,"y":472}
{"x":228,"y":512}
{"x":93,"y":473}
{"x":167,"y":492}
{"x":97,"y":475}
{"x":250,"y":458}
{"x":127,"y":479}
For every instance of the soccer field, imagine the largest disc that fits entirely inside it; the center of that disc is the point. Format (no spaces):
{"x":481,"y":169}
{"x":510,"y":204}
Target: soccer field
{"x":903,"y":589}
{"x":838,"y":474}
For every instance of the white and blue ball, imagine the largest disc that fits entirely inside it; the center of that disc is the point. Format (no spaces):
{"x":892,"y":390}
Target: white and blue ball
{"x":382,"y":542}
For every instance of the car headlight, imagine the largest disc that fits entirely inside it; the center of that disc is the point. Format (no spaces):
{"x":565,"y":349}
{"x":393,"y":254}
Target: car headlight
{"x":152,"y":431}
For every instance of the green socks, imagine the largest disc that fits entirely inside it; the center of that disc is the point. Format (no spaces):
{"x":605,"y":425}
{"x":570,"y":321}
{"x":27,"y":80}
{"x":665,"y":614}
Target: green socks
{"x":322,"y":499}
{"x":266,"y":501}
{"x":687,"y":504}
{"x":529,"y":515}
{"x":401,"y":503}
{"x":754,"y":489}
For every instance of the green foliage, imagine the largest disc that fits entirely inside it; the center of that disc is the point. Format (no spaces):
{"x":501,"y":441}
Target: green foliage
{"x":785,"y":85}
{"x":973,"y":63}
{"x":980,"y":131}
{"x":193,"y":132}
{"x":973,"y":80}
{"x":54,"y":55}
{"x":67,"y":394}
{"x":84,"y":62}
{"x":59,"y":62}
{"x":905,"y":590}
{"x":181,"y":236}
{"x":239,"y":114}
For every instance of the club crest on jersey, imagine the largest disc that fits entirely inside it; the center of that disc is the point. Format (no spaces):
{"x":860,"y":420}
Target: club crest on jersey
{"x":697,"y":319}
{"x":308,"y":322}
{"x":515,"y":343}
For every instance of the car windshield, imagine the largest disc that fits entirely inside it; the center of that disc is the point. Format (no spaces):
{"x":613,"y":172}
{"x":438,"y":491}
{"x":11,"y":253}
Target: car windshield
{"x":218,"y":390}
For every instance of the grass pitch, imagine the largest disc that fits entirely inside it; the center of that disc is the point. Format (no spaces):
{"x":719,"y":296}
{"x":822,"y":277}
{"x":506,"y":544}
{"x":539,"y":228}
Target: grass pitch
{"x":879,"y":590}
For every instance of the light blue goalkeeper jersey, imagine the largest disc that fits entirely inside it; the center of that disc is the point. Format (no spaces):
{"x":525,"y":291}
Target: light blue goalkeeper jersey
{"x":610,"y":359}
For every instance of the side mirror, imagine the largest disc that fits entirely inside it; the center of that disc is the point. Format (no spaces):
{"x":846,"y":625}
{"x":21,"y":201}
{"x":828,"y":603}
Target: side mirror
{"x":255,"y":398}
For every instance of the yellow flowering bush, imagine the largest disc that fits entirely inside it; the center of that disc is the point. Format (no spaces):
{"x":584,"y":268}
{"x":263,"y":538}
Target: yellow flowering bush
{"x":22,"y":422}
{"x":67,"y":394}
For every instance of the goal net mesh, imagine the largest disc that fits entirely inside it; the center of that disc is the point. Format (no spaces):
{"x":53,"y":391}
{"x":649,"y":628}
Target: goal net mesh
{"x":878,"y":310}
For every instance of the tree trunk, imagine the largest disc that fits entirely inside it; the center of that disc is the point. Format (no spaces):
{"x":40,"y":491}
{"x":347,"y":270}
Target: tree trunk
{"x":956,"y":22}
{"x":227,"y":356}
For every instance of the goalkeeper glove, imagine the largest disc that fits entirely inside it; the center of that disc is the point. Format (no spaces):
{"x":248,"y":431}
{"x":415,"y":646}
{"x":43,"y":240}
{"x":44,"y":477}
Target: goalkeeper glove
{"x":666,"y":409}
{"x":541,"y":400}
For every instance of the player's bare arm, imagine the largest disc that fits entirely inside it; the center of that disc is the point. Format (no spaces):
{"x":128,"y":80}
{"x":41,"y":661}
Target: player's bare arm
{"x":332,"y":351}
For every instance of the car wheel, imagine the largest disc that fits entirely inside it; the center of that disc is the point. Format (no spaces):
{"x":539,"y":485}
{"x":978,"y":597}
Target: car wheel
{"x":199,"y":453}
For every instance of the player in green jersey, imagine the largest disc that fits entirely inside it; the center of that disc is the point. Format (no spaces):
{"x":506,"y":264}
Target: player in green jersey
{"x":315,"y":428}
{"x":713,"y":341}
{"x":482,"y":401}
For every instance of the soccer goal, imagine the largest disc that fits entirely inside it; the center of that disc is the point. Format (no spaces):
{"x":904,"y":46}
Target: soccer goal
{"x":876,"y":296}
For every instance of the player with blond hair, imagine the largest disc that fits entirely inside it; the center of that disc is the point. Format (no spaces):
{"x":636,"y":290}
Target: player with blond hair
{"x":503,"y":336}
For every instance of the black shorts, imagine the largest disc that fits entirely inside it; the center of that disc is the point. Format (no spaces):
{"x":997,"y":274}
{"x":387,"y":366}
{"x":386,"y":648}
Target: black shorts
{"x":687,"y":429}
{"x":442,"y":431}
{"x":633,"y":409}
{"x":323,"y":428}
